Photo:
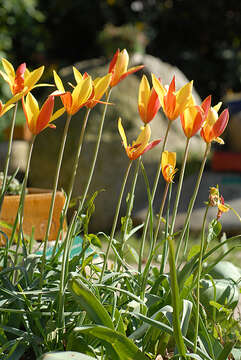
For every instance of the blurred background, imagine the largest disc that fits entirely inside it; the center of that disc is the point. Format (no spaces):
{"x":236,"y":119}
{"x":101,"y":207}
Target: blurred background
{"x":202,"y":38}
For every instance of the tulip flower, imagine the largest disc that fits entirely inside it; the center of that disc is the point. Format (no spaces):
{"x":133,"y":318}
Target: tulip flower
{"x":214,"y":125}
{"x":148,"y":101}
{"x":193,"y":117}
{"x":22,"y":81}
{"x":168,"y":164}
{"x":215,"y":199}
{"x":39,"y":119}
{"x":118,"y":67}
{"x":78,"y":98}
{"x":140,"y":145}
{"x":173,"y":103}
{"x":4,"y":108}
{"x":99,"y":87}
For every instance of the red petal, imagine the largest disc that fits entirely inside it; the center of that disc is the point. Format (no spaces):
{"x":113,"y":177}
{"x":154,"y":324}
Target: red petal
{"x":131,"y":71}
{"x":45,"y":114}
{"x":150,"y":146}
{"x":153,"y":105}
{"x":67,"y":101}
{"x":221,"y":123}
{"x":206,"y":105}
{"x":113,"y":61}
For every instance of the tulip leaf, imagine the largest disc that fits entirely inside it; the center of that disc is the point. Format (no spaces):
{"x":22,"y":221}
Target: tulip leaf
{"x":124,"y":348}
{"x":89,"y":303}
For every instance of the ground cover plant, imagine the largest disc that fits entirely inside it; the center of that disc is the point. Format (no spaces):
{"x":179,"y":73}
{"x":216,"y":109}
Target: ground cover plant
{"x":178,"y":304}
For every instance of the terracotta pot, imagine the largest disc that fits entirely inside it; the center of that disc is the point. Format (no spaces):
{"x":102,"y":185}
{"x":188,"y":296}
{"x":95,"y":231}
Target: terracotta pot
{"x":21,"y":132}
{"x":36,"y":211}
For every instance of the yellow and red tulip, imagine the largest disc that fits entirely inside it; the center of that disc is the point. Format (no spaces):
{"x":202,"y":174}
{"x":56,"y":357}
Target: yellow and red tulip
{"x":22,"y":81}
{"x":173,"y":102}
{"x":80,"y":95}
{"x":118,"y":67}
{"x":148,"y":101}
{"x":39,"y":119}
{"x":214,"y":125}
{"x":168,"y":164}
{"x":140,"y":145}
{"x":99,"y":87}
{"x":193,"y":117}
{"x":215,"y":199}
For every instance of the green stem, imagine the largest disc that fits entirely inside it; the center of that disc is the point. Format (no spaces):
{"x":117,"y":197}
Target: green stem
{"x":56,"y":179}
{"x":179,"y":188}
{"x":200,"y":261}
{"x":156,"y":181}
{"x":192,"y":201}
{"x":175,"y":300}
{"x":115,"y":220}
{"x":160,"y":214}
{"x":20,"y":212}
{"x":165,"y":245}
{"x":153,"y":244}
{"x":64,"y":272}
{"x":129,"y":208}
{"x":9,"y":150}
{"x":72,"y":180}
{"x":100,"y":130}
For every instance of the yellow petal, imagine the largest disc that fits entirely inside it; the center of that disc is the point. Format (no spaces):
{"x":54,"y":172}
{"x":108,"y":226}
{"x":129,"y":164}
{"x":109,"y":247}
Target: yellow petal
{"x":144,"y":137}
{"x":77,"y":75}
{"x":219,"y":140}
{"x":168,"y":158}
{"x":6,"y":78}
{"x":122,"y":133}
{"x":122,"y":62}
{"x":143,"y":96}
{"x":26,"y":73}
{"x":101,"y":85}
{"x":82,"y":92}
{"x":33,"y":77}
{"x":223,"y":208}
{"x":58,"y":82}
{"x":5,"y":109}
{"x":57,"y":114}
{"x":32,"y":109}
{"x":217,"y":107}
{"x":184,"y":96}
{"x":8,"y":67}
{"x":16,"y":97}
{"x":159,"y":88}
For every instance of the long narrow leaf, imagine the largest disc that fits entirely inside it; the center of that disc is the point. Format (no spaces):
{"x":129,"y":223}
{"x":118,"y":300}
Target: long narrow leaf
{"x":89,"y":303}
{"x":169,"y":331}
{"x":123,"y":346}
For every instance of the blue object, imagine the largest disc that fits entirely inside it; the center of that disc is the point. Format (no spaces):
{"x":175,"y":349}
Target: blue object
{"x":234,"y":106}
{"x":75,"y":249}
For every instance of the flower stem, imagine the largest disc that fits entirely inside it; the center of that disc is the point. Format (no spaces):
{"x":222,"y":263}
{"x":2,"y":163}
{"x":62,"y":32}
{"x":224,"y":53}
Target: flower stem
{"x":179,"y":188}
{"x":160,"y":214}
{"x":115,"y":221}
{"x":72,"y":179}
{"x":9,"y":151}
{"x":200,"y":261}
{"x":129,"y":209}
{"x":192,"y":201}
{"x":100,"y":130}
{"x":143,"y":239}
{"x":20,"y":212}
{"x":175,"y":300}
{"x":56,"y":179}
